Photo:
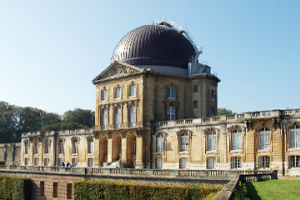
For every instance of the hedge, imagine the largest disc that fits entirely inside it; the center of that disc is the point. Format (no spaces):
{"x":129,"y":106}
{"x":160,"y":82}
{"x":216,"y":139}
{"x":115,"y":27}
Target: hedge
{"x":91,"y":189}
{"x":14,"y":188}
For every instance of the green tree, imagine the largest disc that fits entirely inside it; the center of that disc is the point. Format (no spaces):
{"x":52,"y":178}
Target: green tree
{"x":224,"y":111}
{"x":80,"y":116}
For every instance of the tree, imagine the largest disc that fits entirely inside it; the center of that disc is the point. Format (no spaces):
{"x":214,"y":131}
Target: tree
{"x":224,"y":111}
{"x":80,"y":116}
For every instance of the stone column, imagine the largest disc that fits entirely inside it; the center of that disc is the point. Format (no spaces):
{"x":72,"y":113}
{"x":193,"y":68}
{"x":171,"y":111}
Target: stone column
{"x":154,"y":151}
{"x":111,"y":110}
{"x":139,"y":152}
{"x":109,"y":149}
{"x":96,"y":151}
{"x":41,"y":152}
{"x":124,"y":148}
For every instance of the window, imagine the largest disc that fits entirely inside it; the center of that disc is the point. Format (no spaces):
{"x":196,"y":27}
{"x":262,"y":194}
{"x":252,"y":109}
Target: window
{"x":61,"y":147}
{"x":213,"y":111}
{"x":36,"y":161}
{"x":26,"y":147}
{"x":211,"y":162}
{"x":171,"y":92}
{"x":75,"y":146}
{"x":132,"y":116}
{"x":184,"y":142}
{"x":46,"y":162}
{"x":36,"y":147}
{"x":46,"y":150}
{"x":104,"y":95}
{"x":235,"y":162}
{"x":183,"y":163}
{"x":26,"y":161}
{"x":69,"y":191}
{"x":264,"y":138}
{"x":90,"y":162}
{"x":264,"y":162}
{"x":195,"y":105}
{"x":158,"y":163}
{"x":104,"y":120}
{"x":213,"y":95}
{"x":117,"y":117}
{"x":195,"y":88}
{"x":60,"y":162}
{"x":74,"y":162}
{"x":90,"y":145}
{"x":134,"y":146}
{"x":118,"y":93}
{"x":159,"y":143}
{"x":132,"y":91}
{"x":55,"y":187}
{"x":294,"y":161}
{"x":211,"y":141}
{"x":295,"y":137}
{"x":171,"y":115}
{"x":236,"y":140}
{"x":42,"y":188}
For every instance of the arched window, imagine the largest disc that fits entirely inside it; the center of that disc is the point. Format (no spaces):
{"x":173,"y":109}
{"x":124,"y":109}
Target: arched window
{"x":184,"y":142}
{"x":264,"y":138}
{"x":36,"y":147}
{"x":159,"y":143}
{"x":211,"y":141}
{"x":46,"y":147}
{"x":236,"y":139}
{"x":26,"y":146}
{"x":295,"y":137}
{"x":75,"y":146}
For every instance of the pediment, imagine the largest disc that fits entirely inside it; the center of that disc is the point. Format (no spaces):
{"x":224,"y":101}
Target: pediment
{"x":117,"y":69}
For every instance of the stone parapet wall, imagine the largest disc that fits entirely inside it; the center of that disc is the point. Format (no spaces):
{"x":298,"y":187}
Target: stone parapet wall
{"x":10,"y":153}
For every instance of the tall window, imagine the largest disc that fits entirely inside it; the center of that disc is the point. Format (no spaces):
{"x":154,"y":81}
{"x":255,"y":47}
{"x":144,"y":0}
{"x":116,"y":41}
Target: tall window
{"x":295,"y":137}
{"x":90,"y":162}
{"x":132,"y":116}
{"x":117,"y":116}
{"x":36,"y":161}
{"x":46,"y":150}
{"x":104,"y":120}
{"x":159,"y":143}
{"x":171,"y":115}
{"x":184,"y":145}
{"x":36,"y":147}
{"x":118,"y":93}
{"x":104,"y":95}
{"x":195,"y":105}
{"x":46,"y":162}
{"x":26,"y":161}
{"x":75,"y":146}
{"x":195,"y":88}
{"x":213,"y":95}
{"x":264,"y":138}
{"x":69,"y":191}
{"x":236,"y":162}
{"x":90,"y":145}
{"x":74,"y":162}
{"x":55,"y":188}
{"x":183,"y":163}
{"x":132,"y":91}
{"x":236,"y":140}
{"x":26,"y":147}
{"x":134,"y":146}
{"x":264,"y":162}
{"x":158,"y":163}
{"x":213,"y":111}
{"x":60,"y":162}
{"x":294,"y":161}
{"x":61,"y":147}
{"x":171,"y":92}
{"x":211,"y":141}
{"x":211,"y":162}
{"x":42,"y":188}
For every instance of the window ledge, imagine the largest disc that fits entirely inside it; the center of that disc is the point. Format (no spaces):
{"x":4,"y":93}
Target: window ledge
{"x":236,"y":151}
{"x":294,"y":149}
{"x":264,"y":151}
{"x":211,"y":152}
{"x":183,"y":152}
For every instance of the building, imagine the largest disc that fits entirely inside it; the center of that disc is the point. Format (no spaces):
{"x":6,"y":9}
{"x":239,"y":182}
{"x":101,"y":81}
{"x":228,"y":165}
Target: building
{"x":156,"y":108}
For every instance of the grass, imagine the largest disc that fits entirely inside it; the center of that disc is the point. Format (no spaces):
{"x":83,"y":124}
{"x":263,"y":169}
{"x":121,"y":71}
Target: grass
{"x":271,"y":189}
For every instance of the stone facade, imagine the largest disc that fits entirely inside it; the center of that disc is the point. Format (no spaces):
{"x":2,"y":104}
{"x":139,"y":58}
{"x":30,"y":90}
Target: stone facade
{"x":10,"y":153}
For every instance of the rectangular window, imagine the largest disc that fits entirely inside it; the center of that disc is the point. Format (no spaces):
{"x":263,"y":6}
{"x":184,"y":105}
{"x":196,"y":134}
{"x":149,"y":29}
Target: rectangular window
{"x":184,"y":142}
{"x":195,"y":88}
{"x":61,"y":147}
{"x":91,"y":145}
{"x":211,"y":162}
{"x":74,"y":162}
{"x":36,"y":148}
{"x":118,"y":93}
{"x":159,"y":143}
{"x":211,"y":141}
{"x":294,"y":161}
{"x":171,"y":115}
{"x":90,"y":162}
{"x":295,"y":137}
{"x":213,"y":95}
{"x":158,"y":163}
{"x":132,"y":91}
{"x":26,"y":161}
{"x":236,"y":140}
{"x":46,"y":162}
{"x":195,"y":105}
{"x":104,"y":120}
{"x":60,"y":162}
{"x":264,"y":139}
{"x":171,"y":92}
{"x":46,"y":147}
{"x":183,"y":163}
{"x":55,"y":187}
{"x":42,"y":188}
{"x":69,"y":191}
{"x":36,"y":161}
{"x":264,"y":162}
{"x":26,"y":147}
{"x":117,"y":117}
{"x":132,"y":116}
{"x":104,"y":95}
{"x":236,"y":162}
{"x":213,"y":111}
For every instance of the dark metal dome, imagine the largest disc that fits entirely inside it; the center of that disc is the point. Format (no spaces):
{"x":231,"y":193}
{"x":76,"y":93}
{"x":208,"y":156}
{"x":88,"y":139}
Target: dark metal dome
{"x":158,"y":44}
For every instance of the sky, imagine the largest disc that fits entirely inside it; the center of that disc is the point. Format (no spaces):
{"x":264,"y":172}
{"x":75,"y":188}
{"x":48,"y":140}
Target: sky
{"x":50,"y":51}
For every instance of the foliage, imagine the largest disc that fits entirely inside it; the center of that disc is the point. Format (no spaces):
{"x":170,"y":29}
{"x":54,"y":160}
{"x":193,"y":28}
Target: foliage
{"x":91,"y":189}
{"x":224,"y":111}
{"x":15,"y":188}
{"x":271,"y":189}
{"x":16,"y":120}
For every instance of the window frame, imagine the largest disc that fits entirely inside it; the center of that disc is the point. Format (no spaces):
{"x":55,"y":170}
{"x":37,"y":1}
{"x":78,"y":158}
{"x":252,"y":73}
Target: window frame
{"x":132,"y":90}
{"x":213,"y":166}
{"x":117,"y":117}
{"x":295,"y":130}
{"x":184,"y":142}
{"x":171,"y":92}
{"x":211,"y":141}
{"x":264,"y":138}
{"x":118,"y":93}
{"x":294,"y":161}
{"x":195,"y":88}
{"x":195,"y":105}
{"x":171,"y":113}
{"x":236,"y":162}
{"x":132,"y":115}
{"x":264,"y":162}
{"x":104,"y":95}
{"x":183,"y":162}
{"x":236,"y":140}
{"x":159,"y":143}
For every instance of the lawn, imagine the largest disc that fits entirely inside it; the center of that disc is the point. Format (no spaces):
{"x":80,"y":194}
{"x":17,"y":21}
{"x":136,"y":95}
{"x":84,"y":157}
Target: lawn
{"x":272,"y":189}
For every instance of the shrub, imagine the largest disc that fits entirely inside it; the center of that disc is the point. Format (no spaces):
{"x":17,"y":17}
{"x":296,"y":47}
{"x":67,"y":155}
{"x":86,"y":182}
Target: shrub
{"x":15,"y":188}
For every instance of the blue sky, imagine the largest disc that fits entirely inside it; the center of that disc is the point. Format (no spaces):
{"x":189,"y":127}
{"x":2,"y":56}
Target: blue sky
{"x":51,"y":50}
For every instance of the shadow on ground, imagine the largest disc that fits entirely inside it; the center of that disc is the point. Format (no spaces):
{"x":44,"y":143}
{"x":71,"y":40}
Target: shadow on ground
{"x":251,"y":192}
